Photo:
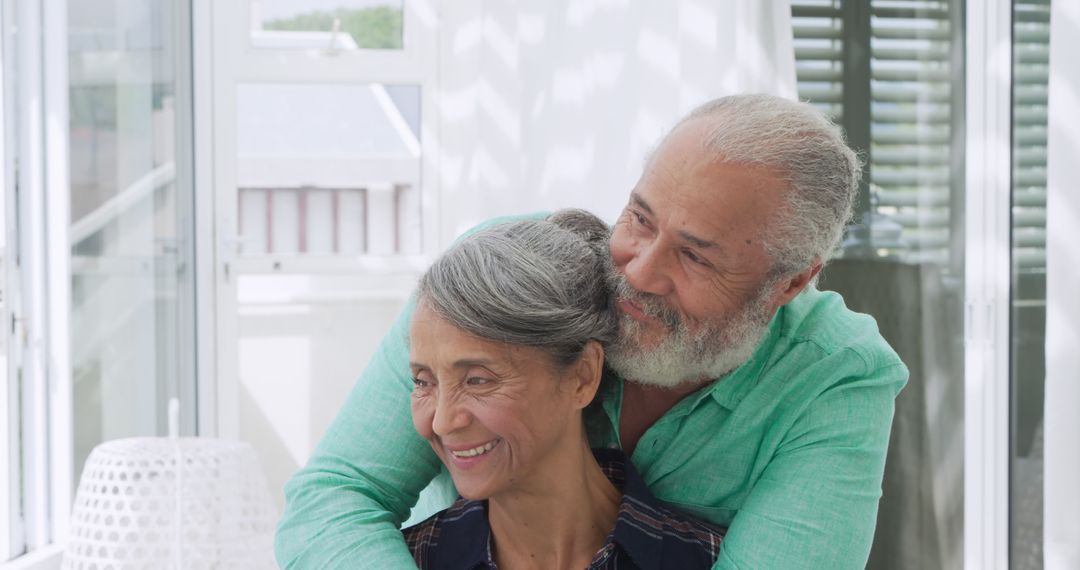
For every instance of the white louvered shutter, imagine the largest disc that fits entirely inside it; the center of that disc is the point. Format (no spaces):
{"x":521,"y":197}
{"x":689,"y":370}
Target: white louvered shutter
{"x":1031,"y":50}
{"x":908,"y":131}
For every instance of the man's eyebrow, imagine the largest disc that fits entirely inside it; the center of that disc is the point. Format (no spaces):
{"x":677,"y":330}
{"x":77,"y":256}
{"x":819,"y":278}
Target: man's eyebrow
{"x":699,"y":242}
{"x":640,"y":203}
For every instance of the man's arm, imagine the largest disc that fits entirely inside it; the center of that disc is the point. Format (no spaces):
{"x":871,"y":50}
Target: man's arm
{"x":815,"y":505}
{"x":344,"y":508}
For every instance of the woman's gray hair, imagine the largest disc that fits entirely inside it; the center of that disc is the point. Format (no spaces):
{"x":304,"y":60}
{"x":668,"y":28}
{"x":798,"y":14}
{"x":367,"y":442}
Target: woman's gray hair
{"x":536,"y":283}
{"x":805,"y":149}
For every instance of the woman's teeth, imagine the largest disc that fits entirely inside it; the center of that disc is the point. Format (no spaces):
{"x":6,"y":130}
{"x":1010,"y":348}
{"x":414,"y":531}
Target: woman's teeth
{"x":480,"y":450}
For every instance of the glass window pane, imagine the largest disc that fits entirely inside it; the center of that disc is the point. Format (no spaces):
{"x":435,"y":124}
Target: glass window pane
{"x":1031,"y":44}
{"x":319,"y":328}
{"x":317,"y":208}
{"x":328,"y":169}
{"x":326,"y":24}
{"x":129,"y":254}
{"x":323,"y":172}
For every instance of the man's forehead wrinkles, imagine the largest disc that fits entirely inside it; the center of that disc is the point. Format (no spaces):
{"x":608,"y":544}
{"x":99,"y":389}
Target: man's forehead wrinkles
{"x":667,"y":171}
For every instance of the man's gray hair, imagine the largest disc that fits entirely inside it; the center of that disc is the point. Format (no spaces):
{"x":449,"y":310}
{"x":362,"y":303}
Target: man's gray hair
{"x":536,"y":283}
{"x":804,"y":148}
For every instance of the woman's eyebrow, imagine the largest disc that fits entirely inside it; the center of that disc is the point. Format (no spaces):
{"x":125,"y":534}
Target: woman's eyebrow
{"x":468,"y":362}
{"x":460,"y":363}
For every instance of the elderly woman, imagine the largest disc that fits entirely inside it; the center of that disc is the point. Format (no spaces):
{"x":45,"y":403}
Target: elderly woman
{"x":506,"y":354}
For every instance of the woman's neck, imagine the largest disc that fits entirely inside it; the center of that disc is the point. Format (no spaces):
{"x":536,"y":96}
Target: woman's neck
{"x":560,"y":521}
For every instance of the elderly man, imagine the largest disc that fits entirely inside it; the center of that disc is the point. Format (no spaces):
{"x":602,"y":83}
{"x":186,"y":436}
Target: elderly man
{"x":749,"y":398}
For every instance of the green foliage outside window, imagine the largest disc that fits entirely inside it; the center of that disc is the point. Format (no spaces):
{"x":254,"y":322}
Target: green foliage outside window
{"x":372,"y":28}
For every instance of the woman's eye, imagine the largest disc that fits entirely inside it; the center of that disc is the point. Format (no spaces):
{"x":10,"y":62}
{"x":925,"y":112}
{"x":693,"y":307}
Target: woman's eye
{"x":418,"y":383}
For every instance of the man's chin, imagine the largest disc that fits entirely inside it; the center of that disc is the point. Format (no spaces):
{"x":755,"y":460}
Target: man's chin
{"x":668,"y":362}
{"x":650,"y":369}
{"x":647,"y":343}
{"x":644,"y":335}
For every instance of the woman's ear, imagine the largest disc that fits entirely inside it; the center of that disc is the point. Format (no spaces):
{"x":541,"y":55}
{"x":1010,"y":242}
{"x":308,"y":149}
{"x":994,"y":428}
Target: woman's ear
{"x":587,"y":372}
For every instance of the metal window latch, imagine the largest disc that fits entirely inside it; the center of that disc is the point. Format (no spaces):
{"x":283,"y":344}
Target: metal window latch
{"x":332,"y":49}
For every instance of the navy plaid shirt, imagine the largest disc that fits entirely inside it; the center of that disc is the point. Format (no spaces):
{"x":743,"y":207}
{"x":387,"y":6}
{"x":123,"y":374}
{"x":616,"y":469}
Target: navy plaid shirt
{"x":647,"y":533}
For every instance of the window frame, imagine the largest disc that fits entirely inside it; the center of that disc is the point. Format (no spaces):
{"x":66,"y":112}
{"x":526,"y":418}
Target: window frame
{"x":36,"y":306}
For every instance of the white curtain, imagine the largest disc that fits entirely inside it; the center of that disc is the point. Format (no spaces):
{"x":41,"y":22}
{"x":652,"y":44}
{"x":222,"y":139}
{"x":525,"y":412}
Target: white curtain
{"x":553,"y":103}
{"x":1062,"y":422}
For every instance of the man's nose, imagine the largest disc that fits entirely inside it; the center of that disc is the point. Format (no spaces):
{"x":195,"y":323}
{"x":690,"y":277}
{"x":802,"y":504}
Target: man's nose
{"x":648,"y":271}
{"x":450,"y":415}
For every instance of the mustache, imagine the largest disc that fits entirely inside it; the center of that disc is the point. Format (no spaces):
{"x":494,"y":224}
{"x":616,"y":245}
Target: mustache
{"x":649,"y":303}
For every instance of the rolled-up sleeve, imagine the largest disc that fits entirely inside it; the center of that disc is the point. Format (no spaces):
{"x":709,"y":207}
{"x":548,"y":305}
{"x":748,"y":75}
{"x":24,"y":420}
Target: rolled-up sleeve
{"x":345,"y":507}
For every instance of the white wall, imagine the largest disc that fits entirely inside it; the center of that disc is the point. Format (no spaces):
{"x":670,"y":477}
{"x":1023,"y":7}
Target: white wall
{"x":548,"y":104}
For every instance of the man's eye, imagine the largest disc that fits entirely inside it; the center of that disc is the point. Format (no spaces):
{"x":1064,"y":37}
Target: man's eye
{"x":639,"y":218}
{"x":419,"y":384}
{"x":695,"y":258}
{"x":477,"y":381}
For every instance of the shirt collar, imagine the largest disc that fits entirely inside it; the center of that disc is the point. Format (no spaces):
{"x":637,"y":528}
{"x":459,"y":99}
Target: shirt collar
{"x":470,"y":533}
{"x":467,"y":540}
{"x":643,"y":547}
{"x":466,"y":531}
{"x":729,"y":390}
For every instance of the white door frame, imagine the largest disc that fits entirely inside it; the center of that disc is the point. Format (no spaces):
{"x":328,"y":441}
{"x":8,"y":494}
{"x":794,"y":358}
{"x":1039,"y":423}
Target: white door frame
{"x":205,"y":230}
{"x":988,"y":184}
{"x":11,"y":540}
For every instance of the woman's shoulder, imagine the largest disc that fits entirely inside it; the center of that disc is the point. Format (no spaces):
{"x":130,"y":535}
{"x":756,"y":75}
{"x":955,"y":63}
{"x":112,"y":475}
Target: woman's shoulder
{"x":429,"y":527}
{"x":675,"y":523}
{"x":428,"y":539}
{"x":653,"y":533}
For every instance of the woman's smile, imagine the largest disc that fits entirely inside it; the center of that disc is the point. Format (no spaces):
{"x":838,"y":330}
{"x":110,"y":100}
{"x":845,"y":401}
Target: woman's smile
{"x":467,"y":457}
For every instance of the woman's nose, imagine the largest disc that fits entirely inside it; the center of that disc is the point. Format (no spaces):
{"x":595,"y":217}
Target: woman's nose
{"x":450,"y":415}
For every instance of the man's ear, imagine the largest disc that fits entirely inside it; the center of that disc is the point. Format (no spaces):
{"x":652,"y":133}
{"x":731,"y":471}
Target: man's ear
{"x":587,"y":372}
{"x":794,"y":285}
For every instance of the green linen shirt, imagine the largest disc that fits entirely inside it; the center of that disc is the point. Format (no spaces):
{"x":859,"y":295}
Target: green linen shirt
{"x":788,"y":450}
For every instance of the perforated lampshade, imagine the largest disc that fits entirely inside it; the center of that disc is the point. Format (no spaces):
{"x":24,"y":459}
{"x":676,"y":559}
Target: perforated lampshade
{"x":176,"y":503}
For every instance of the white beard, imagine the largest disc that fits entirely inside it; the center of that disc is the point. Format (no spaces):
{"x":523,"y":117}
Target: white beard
{"x":684,"y":356}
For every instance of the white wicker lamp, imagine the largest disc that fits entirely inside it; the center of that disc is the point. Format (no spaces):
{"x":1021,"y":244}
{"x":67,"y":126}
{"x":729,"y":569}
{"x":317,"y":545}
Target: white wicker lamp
{"x":178,"y":503}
